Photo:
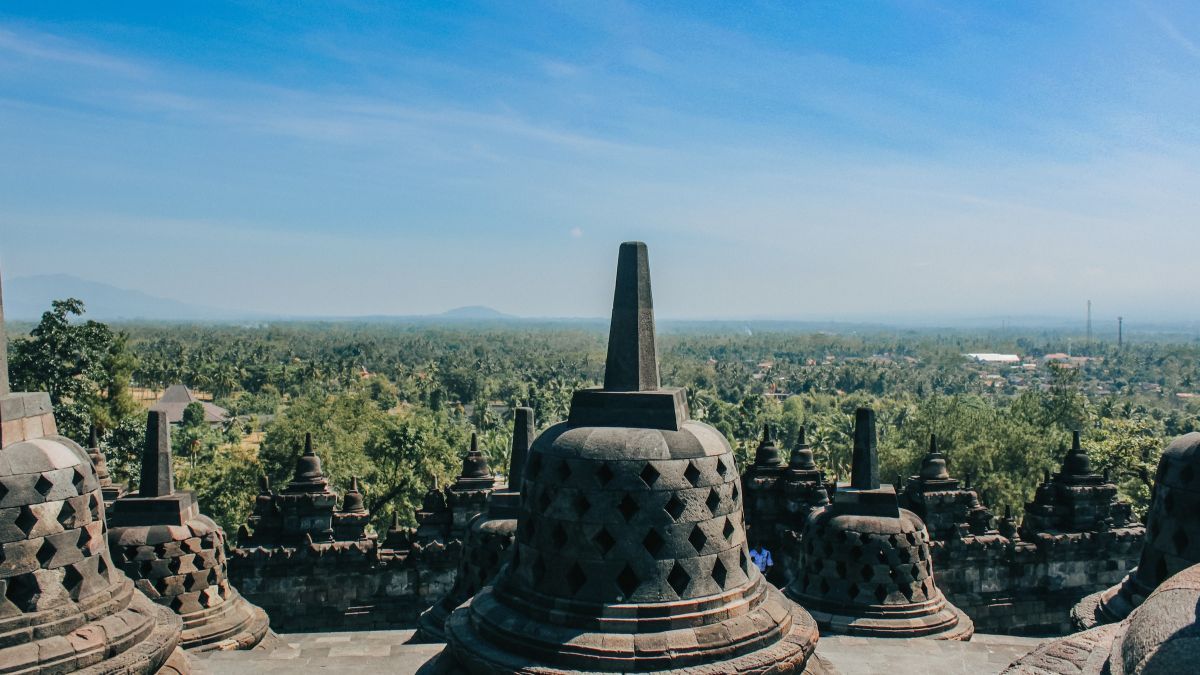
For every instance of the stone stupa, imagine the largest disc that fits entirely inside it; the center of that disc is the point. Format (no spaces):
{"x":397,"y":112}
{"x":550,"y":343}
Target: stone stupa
{"x":489,"y":536}
{"x":65,"y":606}
{"x":176,"y":555}
{"x":1172,"y":540}
{"x":631,"y":550}
{"x":865,"y":566}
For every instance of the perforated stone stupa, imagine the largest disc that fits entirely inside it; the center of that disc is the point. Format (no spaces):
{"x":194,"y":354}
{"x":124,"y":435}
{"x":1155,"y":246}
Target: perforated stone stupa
{"x":64,"y":605}
{"x":1172,"y":540}
{"x":489,"y":536}
{"x":866,"y":567}
{"x":176,"y":555}
{"x":631,"y":550}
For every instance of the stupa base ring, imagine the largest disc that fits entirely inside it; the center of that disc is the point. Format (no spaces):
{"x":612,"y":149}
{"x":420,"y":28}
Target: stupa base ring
{"x":700,"y":651}
{"x":947,"y":623}
{"x":234,"y":624}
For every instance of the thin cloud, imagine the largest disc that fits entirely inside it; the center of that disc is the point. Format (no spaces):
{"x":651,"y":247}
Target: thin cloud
{"x":46,"y":47}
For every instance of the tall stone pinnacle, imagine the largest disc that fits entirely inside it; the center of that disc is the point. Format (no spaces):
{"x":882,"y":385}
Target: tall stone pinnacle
{"x":865,"y":463}
{"x":158,"y":478}
{"x":524,"y":432}
{"x":632,"y":355}
{"x":4,"y":388}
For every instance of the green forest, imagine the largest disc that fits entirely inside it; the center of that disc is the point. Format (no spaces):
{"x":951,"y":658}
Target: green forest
{"x":395,"y":403}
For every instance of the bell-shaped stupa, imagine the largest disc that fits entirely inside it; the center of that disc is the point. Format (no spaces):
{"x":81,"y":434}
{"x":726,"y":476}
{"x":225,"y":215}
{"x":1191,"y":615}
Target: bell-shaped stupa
{"x":631,"y":551}
{"x":865,"y":565}
{"x":489,"y":536}
{"x":176,"y":555}
{"x":1172,"y":541}
{"x":65,"y":606}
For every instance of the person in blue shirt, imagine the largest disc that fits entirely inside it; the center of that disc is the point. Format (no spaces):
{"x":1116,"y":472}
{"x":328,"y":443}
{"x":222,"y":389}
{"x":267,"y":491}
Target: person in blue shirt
{"x":761,"y":558}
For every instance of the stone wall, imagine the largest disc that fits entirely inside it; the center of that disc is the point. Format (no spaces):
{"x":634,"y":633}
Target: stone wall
{"x":343,"y":585}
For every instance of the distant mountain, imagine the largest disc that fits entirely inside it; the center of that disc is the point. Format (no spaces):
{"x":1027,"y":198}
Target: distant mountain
{"x":28,"y":297}
{"x":475,"y":312}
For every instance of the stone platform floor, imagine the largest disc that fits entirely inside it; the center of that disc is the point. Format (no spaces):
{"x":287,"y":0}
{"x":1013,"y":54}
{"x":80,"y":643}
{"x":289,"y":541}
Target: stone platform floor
{"x":388,"y":652}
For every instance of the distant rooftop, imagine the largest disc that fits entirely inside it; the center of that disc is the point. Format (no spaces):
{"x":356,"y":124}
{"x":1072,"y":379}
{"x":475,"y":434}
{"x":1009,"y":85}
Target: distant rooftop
{"x":177,"y":397}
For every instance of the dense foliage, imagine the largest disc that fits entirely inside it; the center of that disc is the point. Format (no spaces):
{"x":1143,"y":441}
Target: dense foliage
{"x":395,"y":404}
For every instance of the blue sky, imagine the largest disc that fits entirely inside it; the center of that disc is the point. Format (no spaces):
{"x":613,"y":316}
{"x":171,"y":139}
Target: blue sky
{"x":801,"y":159}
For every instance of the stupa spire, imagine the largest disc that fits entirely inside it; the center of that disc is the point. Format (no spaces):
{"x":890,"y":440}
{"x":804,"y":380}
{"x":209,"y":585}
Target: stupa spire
{"x":632,"y":355}
{"x":865,"y":463}
{"x":158,"y":478}
{"x":523,"y":435}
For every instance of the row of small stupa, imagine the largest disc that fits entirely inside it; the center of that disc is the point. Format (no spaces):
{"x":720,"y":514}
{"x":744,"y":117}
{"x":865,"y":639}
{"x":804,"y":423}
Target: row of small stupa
{"x":95,"y":580}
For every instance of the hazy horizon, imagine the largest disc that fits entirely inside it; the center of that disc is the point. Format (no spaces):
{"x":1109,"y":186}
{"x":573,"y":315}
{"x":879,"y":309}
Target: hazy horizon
{"x":780,"y":160}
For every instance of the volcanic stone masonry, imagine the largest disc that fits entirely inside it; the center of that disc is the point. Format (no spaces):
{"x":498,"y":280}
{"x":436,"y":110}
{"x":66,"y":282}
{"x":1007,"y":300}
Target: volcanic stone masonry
{"x":64,"y":606}
{"x":176,"y":555}
{"x":631,"y":551}
{"x":489,"y":536}
{"x":1077,"y":538}
{"x":313,"y":566}
{"x":111,"y":491}
{"x":866,"y":567}
{"x":1172,"y":540}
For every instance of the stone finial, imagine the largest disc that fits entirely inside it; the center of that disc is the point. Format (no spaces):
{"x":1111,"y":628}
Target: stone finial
{"x":632,"y":355}
{"x":524,"y":431}
{"x":1077,"y":462}
{"x":93,"y":437}
{"x":475,"y":465}
{"x":353,"y":502}
{"x":767,"y":455}
{"x":309,"y":476}
{"x":264,"y":484}
{"x":802,"y":455}
{"x":933,"y":466}
{"x":158,"y":478}
{"x":864,"y":474}
{"x":4,"y":387}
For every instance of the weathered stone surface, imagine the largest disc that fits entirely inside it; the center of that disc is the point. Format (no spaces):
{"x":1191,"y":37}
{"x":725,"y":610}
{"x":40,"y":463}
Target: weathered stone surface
{"x":1172,"y":536}
{"x":866,"y":567}
{"x":176,"y":555}
{"x":631,"y":551}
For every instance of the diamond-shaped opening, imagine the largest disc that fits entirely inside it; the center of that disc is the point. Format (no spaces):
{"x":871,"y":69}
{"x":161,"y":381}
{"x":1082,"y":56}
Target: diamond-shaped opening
{"x":674,"y":507}
{"x":881,"y":555}
{"x":1180,"y":540}
{"x":852,"y":591}
{"x":679,"y":579}
{"x":604,"y":474}
{"x":912,"y":538}
{"x":144,"y":569}
{"x":905,"y":555}
{"x":78,"y":480}
{"x":544,"y":500}
{"x":26,"y":521}
{"x":915,"y":570}
{"x":628,"y":507}
{"x":692,"y":474}
{"x":604,"y":541}
{"x":628,"y":581}
{"x":649,"y":474}
{"x":85,"y":538}
{"x":43,"y":485}
{"x":824,"y":586}
{"x":722,"y":467}
{"x":856,"y":553}
{"x":72,"y":581}
{"x":729,"y":529}
{"x":575,"y":579}
{"x":907,"y":590}
{"x":713,"y":501}
{"x":174,"y":564}
{"x":558,"y":537}
{"x":581,"y":504}
{"x":3,"y":491}
{"x":564,"y":471}
{"x":744,"y":561}
{"x":177,"y":603}
{"x":102,"y":566}
{"x":921,"y":553}
{"x":94,"y":506}
{"x":735,"y":493}
{"x":698,"y":539}
{"x":880,"y":593}
{"x":719,"y":573}
{"x":22,"y":591}
{"x":841,"y":569}
{"x":190,"y":582}
{"x":653,"y":543}
{"x":46,"y":553}
{"x":867,"y":572}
